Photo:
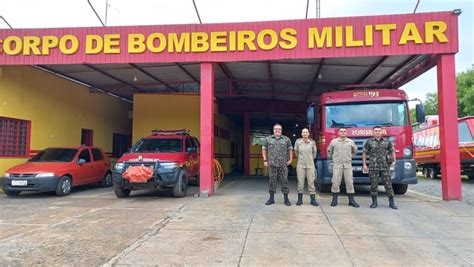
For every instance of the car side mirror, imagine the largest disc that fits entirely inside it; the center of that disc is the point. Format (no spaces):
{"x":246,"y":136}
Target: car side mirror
{"x":420,"y":113}
{"x":191,"y":149}
{"x":81,"y":161}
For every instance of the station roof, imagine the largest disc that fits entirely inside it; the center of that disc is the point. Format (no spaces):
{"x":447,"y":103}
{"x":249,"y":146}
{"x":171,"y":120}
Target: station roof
{"x":290,"y":80}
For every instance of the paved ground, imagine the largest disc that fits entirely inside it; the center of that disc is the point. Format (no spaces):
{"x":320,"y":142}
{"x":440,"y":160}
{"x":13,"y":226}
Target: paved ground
{"x":433,"y":187}
{"x":92,"y":227}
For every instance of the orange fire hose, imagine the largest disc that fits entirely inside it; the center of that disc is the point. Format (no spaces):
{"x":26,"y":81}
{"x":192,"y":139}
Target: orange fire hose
{"x":218,"y":172}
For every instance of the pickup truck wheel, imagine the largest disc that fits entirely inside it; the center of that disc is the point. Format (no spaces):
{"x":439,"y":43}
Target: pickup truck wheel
{"x":107,"y":180}
{"x":121,"y":192}
{"x":181,"y":186}
{"x":400,"y":189}
{"x":11,"y":193}
{"x":64,"y":186}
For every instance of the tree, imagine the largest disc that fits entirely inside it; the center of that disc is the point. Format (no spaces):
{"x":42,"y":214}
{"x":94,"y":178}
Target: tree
{"x":465,"y":94}
{"x":431,"y":104}
{"x":465,"y":90}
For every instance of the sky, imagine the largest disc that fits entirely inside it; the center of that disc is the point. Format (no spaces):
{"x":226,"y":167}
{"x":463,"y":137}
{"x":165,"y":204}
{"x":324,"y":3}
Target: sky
{"x":76,"y":13}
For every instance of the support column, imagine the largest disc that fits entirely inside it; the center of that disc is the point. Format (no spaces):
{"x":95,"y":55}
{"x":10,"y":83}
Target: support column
{"x":246,"y":137}
{"x":448,"y":127}
{"x":207,"y":129}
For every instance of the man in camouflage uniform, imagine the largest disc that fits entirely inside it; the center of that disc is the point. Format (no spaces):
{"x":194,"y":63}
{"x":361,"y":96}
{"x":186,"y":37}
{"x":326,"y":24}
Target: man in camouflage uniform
{"x":277,"y":153}
{"x":341,"y":150}
{"x":381,"y":158}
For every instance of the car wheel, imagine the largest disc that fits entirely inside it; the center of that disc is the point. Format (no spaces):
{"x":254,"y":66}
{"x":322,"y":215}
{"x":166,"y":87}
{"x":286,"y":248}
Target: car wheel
{"x":64,"y":186}
{"x":400,"y":189}
{"x":181,"y":186}
{"x":107,"y":180}
{"x":121,"y":192}
{"x":11,"y":193}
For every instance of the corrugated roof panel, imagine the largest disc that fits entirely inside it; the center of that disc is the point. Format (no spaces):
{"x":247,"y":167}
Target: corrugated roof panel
{"x":293,"y":72}
{"x":249,"y":70}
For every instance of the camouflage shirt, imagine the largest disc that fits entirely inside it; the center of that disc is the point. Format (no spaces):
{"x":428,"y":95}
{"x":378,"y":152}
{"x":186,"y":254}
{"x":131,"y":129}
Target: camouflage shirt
{"x":278,"y":150}
{"x":379,"y":153}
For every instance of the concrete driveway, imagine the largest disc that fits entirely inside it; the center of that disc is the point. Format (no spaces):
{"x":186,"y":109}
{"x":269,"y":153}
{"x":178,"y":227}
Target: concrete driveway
{"x":234,"y":227}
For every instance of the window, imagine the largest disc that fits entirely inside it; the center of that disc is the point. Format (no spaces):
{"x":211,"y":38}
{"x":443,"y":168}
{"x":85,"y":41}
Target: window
{"x":465,"y":135}
{"x":97,"y":154}
{"x":14,"y":137}
{"x":87,"y":137}
{"x":196,"y":142}
{"x":165,"y":145}
{"x":189,"y":143}
{"x":85,"y":155}
{"x":224,"y":134}
{"x":121,"y":143}
{"x":55,"y":155}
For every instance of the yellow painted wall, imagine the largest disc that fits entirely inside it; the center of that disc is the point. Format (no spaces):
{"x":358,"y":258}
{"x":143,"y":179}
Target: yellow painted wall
{"x":256,"y":160}
{"x":169,"y":112}
{"x":58,"y":109}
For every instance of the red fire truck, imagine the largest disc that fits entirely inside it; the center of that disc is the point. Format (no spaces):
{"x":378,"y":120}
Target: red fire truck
{"x":359,"y":111}
{"x":427,"y":147}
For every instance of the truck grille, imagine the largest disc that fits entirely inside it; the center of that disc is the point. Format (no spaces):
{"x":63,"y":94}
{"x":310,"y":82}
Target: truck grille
{"x":359,"y":141}
{"x":22,"y":175}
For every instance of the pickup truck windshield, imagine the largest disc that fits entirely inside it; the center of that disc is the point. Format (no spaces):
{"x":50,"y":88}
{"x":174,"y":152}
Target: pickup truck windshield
{"x":366,"y":115}
{"x":154,"y":145}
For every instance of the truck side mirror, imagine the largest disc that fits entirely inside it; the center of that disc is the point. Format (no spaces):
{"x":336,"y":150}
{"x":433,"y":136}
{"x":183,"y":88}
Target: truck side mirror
{"x":310,"y":114}
{"x":81,"y":161}
{"x":420,"y":113}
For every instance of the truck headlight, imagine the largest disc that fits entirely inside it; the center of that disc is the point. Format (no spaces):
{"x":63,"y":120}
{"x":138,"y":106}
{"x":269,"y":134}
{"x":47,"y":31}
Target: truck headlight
{"x":168,"y":166}
{"x":407,"y":165}
{"x":119,"y":166}
{"x":407,"y":152}
{"x":7,"y":175}
{"x":44,"y":174}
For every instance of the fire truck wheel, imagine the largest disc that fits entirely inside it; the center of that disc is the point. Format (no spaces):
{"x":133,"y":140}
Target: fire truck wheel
{"x":181,"y":186}
{"x":121,"y":192}
{"x":323,"y":188}
{"x":427,"y":172}
{"x":400,"y":189}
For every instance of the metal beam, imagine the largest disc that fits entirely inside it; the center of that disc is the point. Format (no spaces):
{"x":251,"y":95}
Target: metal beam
{"x":373,"y":69}
{"x":113,"y":77}
{"x":78,"y":81}
{"x":148,"y":74}
{"x":187,"y":72}
{"x":4,"y":20}
{"x":229,"y":76}
{"x":315,"y":78}
{"x":403,"y":65}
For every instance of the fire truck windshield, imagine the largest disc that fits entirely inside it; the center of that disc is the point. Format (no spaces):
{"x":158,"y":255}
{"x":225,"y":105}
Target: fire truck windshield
{"x":366,"y":114}
{"x":165,"y":145}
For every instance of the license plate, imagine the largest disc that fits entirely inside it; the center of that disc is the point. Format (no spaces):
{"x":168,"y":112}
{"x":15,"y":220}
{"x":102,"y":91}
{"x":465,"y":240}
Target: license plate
{"x":19,"y":182}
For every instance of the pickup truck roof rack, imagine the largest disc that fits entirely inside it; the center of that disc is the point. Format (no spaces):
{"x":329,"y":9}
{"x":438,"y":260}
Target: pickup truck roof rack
{"x":170,"y":132}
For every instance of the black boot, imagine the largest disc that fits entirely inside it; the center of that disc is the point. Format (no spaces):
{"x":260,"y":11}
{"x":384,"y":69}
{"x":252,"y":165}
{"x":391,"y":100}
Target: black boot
{"x":287,"y":201}
{"x":392,"y":203}
{"x":313,"y":200}
{"x":352,"y":201}
{"x":300,"y":199}
{"x":334,"y":200}
{"x":271,"y":200}
{"x":374,"y":202}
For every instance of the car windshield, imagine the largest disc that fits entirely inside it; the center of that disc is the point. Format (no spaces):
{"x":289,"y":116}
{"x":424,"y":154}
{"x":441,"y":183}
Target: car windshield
{"x":366,"y":115}
{"x":166,"y":145}
{"x":55,"y":155}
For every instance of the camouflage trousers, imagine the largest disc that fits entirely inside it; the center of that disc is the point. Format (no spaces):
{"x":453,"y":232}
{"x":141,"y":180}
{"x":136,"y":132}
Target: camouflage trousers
{"x":278,"y":173}
{"x":375,"y":177}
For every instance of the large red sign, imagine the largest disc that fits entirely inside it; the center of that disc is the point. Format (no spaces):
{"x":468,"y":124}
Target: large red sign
{"x":406,"y":34}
